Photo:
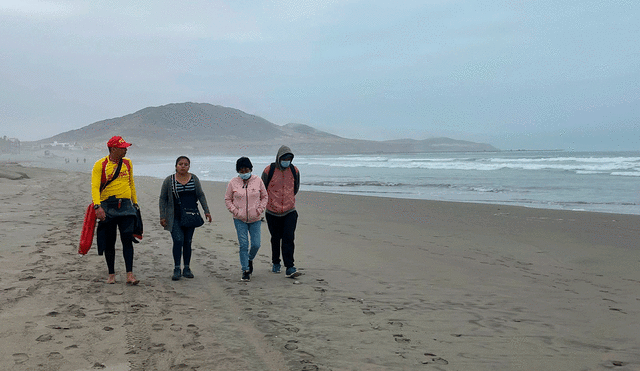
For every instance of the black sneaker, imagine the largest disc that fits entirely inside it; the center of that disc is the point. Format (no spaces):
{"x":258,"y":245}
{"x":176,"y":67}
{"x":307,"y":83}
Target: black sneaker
{"x":246,"y":276}
{"x":176,"y":274}
{"x":186,"y":272}
{"x":250,"y":266}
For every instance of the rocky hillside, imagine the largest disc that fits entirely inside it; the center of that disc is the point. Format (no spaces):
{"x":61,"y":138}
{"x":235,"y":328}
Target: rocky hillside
{"x":206,"y":128}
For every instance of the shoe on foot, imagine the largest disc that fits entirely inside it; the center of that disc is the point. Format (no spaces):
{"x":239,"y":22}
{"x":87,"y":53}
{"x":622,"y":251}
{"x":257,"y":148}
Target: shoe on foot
{"x":292,"y":272}
{"x":250,"y":266}
{"x":186,"y":272}
{"x":276,"y":268}
{"x":176,"y":274}
{"x":246,"y":276}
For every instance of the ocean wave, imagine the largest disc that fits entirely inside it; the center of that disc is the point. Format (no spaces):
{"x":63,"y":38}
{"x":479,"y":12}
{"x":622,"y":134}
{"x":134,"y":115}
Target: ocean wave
{"x":626,"y":173}
{"x":406,"y":186}
{"x":615,"y":165}
{"x":364,"y":183}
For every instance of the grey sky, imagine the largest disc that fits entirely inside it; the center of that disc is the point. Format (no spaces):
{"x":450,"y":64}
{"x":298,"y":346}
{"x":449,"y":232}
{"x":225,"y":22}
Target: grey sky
{"x":517,"y":74}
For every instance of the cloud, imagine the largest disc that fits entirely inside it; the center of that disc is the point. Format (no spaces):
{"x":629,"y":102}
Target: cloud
{"x":501,"y":69}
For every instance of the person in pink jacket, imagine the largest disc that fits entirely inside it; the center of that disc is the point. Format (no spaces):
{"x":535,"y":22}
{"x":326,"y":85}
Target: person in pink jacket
{"x":246,"y":198}
{"x":282,"y":180}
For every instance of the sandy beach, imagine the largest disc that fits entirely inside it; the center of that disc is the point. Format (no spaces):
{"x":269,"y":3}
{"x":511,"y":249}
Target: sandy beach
{"x":387,"y":284}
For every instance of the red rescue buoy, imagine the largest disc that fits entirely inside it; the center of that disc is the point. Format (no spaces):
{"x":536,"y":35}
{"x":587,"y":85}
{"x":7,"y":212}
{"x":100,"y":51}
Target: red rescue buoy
{"x":88,"y":229}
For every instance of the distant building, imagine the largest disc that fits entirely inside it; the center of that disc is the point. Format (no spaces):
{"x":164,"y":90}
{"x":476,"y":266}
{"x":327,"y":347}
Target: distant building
{"x":10,"y":145}
{"x":56,"y":144}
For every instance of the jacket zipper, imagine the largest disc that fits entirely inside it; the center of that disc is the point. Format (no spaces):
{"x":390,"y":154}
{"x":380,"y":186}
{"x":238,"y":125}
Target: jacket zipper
{"x":246,"y":189}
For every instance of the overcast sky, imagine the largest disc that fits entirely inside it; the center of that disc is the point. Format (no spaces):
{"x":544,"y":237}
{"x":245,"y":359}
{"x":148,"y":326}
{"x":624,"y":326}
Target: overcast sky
{"x":518,"y":74}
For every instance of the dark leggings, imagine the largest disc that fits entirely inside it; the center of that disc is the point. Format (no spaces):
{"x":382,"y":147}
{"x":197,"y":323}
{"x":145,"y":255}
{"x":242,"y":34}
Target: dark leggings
{"x":182,"y":237}
{"x":106,"y":240}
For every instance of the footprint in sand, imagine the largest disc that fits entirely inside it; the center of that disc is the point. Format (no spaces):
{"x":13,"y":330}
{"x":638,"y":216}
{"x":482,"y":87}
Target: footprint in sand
{"x":55,"y":355}
{"x":181,"y":366}
{"x":157,"y":348}
{"x":46,"y":337}
{"x":263,"y":314}
{"x":193,"y":329}
{"x":20,"y":358}
{"x":435,"y":360}
{"x":368,"y":311}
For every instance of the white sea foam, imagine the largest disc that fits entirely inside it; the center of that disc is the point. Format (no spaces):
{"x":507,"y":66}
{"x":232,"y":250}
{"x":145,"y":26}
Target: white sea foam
{"x":591,"y":181}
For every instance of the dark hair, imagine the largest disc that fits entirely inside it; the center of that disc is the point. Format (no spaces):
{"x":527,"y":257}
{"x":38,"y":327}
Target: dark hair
{"x":243,"y":162}
{"x":183,"y":157}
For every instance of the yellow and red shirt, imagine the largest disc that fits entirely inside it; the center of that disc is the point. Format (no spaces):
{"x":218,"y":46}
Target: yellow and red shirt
{"x":121,"y":187}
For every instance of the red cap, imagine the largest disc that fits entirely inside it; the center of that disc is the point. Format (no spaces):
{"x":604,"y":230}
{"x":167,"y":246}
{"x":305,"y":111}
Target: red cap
{"x":117,"y":142}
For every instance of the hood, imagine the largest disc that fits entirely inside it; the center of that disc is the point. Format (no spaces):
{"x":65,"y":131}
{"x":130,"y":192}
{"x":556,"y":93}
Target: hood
{"x":284,"y":150}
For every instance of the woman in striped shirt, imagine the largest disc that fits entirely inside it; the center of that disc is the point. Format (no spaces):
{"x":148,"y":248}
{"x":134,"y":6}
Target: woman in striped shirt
{"x":187,"y":187}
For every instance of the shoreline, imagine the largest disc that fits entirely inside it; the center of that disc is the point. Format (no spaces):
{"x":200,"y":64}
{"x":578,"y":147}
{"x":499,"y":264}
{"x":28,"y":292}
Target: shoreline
{"x":387,"y":284}
{"x":85,"y":162}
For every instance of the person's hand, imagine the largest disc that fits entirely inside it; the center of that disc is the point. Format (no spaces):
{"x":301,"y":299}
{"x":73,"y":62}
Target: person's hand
{"x":163,"y":222}
{"x":100,"y":214}
{"x":208,"y":216}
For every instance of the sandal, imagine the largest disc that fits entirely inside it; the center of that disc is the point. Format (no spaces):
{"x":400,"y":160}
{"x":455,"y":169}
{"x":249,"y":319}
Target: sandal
{"x":131,"y":279}
{"x":112,"y":279}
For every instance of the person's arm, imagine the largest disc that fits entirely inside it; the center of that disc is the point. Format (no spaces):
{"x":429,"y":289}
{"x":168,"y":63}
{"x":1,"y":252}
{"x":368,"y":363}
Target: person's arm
{"x":296,"y":182}
{"x":202,"y":198}
{"x":228,"y":198}
{"x":96,"y":181}
{"x":132,"y":184}
{"x":264,"y":198}
{"x":163,"y":201}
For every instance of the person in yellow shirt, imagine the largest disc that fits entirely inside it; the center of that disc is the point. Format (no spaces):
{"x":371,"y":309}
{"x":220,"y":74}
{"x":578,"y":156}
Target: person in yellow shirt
{"x":114,"y":197}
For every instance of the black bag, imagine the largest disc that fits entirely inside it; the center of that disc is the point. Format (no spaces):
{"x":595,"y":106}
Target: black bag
{"x":189,"y":217}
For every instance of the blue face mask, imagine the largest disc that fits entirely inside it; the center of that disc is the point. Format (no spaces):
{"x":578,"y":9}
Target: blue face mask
{"x":245,"y":176}
{"x":285,"y":164}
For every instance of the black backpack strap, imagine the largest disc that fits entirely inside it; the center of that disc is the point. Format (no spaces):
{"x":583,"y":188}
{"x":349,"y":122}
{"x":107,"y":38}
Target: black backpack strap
{"x":272,"y":168}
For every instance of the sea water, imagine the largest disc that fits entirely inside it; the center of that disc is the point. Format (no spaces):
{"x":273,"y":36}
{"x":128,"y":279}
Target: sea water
{"x":587,"y":181}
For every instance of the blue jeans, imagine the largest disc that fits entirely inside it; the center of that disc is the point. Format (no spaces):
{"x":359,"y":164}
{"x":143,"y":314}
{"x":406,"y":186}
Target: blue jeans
{"x":244,"y":230}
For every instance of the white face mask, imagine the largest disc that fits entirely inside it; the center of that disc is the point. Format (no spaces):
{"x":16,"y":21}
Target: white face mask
{"x":285,"y":164}
{"x":244,"y":176}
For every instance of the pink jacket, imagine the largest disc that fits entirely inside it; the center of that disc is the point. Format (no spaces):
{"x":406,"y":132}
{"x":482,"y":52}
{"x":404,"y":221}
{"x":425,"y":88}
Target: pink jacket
{"x":282,"y":191}
{"x":246,"y":201}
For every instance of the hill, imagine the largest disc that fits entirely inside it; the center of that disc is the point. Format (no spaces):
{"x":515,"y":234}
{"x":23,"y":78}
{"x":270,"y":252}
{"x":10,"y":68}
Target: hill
{"x":210,"y":129}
